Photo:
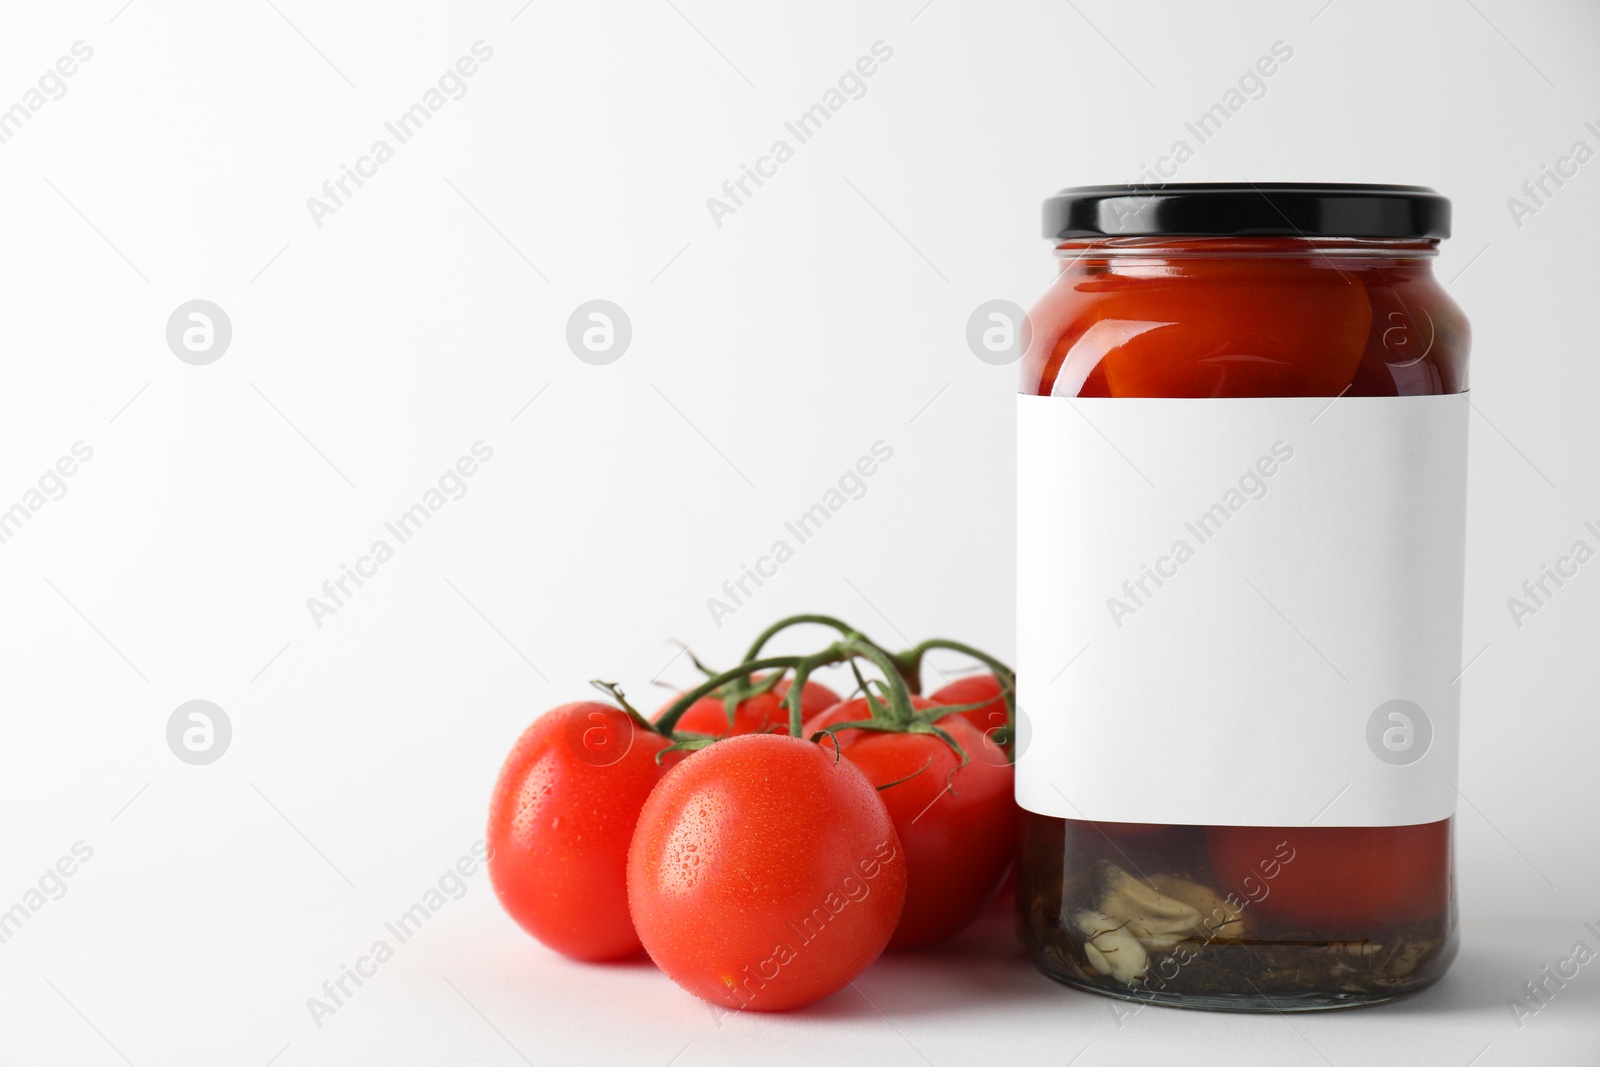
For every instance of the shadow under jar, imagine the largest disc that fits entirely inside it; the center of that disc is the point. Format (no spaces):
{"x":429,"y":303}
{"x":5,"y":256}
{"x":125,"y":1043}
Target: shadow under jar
{"x":1241,"y":508}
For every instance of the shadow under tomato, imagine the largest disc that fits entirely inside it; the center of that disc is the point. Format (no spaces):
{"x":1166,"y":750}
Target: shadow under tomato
{"x":639,"y":961}
{"x":973,"y":973}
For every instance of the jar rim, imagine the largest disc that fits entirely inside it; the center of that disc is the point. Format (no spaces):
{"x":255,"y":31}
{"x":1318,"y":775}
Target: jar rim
{"x":1254,"y":246}
{"x":1248,"y":209}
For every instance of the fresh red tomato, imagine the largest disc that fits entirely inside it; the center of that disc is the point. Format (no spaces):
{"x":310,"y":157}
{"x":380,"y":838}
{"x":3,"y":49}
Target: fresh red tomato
{"x":958,"y":829}
{"x":1337,"y":880}
{"x":560,"y":821}
{"x":1200,"y":327}
{"x":853,"y":710}
{"x":765,"y":873}
{"x":984,"y":689}
{"x":760,"y":714}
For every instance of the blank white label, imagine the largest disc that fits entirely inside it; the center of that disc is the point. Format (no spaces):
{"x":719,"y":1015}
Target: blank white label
{"x":1241,"y":612}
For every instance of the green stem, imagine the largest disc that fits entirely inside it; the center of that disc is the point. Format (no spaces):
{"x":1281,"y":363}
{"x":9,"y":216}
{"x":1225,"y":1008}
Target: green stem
{"x":614,"y":691}
{"x":1004,"y":673}
{"x":674,"y":712}
{"x":906,"y":669}
{"x":845,"y":630}
{"x":900,"y":708}
{"x":1007,"y":676}
{"x":793,"y":699}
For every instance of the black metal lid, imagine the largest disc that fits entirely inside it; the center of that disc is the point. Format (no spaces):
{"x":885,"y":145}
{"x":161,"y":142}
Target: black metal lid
{"x":1242,"y":209}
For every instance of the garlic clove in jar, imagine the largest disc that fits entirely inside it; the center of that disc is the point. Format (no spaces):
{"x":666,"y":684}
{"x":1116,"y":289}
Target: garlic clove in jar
{"x":1219,"y":920}
{"x":1111,"y":947}
{"x":1133,"y":917}
{"x":1157,"y":920}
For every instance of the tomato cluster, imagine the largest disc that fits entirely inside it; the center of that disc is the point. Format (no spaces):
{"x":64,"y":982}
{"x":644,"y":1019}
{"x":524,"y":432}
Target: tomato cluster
{"x":761,"y":838}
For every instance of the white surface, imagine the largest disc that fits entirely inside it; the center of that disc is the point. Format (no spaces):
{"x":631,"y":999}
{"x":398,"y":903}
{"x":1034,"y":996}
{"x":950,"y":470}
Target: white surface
{"x":1244,"y":584}
{"x":827,"y":313}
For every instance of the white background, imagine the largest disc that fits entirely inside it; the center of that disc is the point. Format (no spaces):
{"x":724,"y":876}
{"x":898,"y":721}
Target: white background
{"x":768,"y":354}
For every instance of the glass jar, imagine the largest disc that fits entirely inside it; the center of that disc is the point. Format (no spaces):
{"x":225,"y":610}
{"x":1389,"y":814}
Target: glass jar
{"x":1240,"y":562}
